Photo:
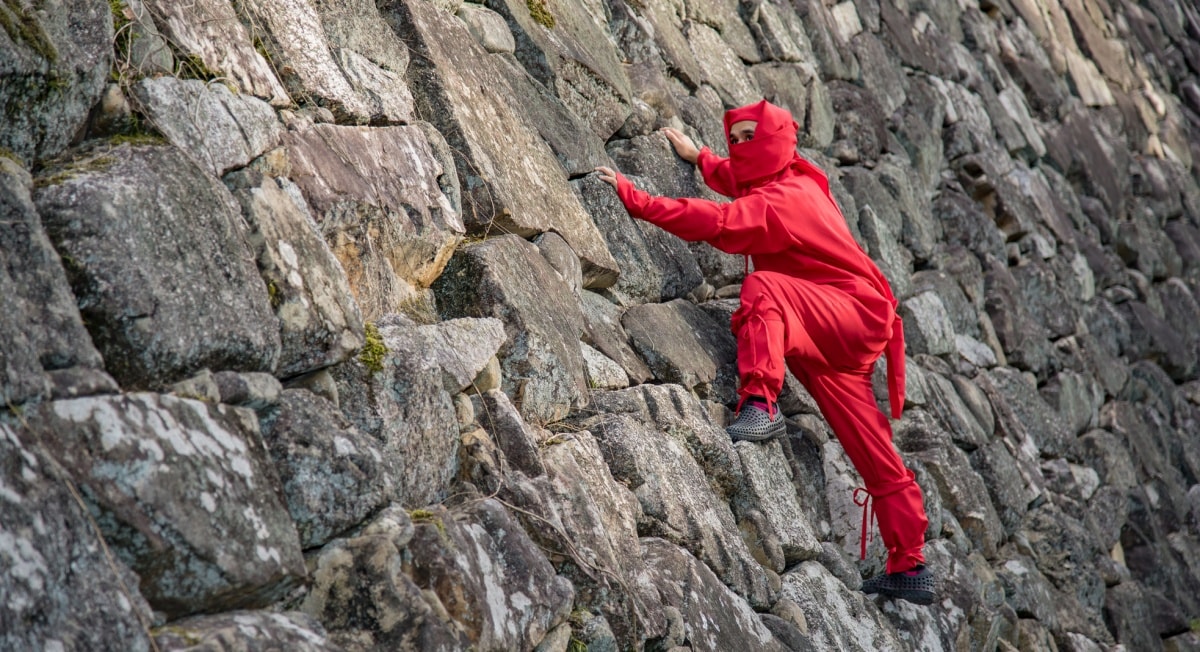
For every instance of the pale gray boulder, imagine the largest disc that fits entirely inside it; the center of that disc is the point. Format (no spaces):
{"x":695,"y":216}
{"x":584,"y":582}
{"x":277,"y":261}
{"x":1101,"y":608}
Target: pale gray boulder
{"x":1022,"y":410}
{"x":376,"y":196}
{"x":61,"y":589}
{"x":520,"y":442}
{"x":507,"y":278}
{"x":511,"y":180}
{"x":211,"y":31}
{"x":714,"y":617}
{"x":248,"y":631}
{"x":159,"y":265}
{"x":927,"y":325}
{"x":219,"y":130}
{"x":488,"y":27}
{"x":838,"y":618}
{"x":333,"y":475}
{"x":720,"y":66}
{"x":602,"y":372}
{"x":603,"y":330}
{"x":460,"y":348}
{"x":184,"y":492}
{"x":54,"y":65}
{"x":683,"y":344}
{"x":767,"y":487}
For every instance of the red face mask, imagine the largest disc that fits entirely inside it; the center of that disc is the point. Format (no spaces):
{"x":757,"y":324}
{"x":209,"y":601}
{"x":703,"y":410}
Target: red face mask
{"x":772,"y":148}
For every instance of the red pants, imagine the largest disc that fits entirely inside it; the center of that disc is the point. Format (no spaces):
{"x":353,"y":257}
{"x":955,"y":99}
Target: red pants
{"x":830,"y":341}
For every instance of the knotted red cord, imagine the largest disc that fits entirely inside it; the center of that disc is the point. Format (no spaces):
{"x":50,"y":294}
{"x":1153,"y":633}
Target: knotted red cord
{"x":868,"y":510}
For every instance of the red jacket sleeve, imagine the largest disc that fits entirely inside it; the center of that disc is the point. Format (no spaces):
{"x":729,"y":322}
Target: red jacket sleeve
{"x":749,"y":225}
{"x":716,"y":172}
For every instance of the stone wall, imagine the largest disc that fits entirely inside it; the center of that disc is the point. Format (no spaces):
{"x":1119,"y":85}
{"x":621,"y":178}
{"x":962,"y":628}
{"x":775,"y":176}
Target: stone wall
{"x":249,"y":252}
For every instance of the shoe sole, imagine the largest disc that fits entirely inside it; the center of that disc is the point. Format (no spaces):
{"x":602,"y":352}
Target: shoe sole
{"x":767,"y":436}
{"x":923,"y":598}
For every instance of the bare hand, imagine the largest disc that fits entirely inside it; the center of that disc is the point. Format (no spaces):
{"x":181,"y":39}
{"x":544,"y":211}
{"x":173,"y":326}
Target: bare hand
{"x":608,"y":175}
{"x":684,"y":147}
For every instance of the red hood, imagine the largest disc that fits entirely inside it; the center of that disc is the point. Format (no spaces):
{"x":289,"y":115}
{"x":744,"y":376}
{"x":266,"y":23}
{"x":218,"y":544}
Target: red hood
{"x":771,"y":151}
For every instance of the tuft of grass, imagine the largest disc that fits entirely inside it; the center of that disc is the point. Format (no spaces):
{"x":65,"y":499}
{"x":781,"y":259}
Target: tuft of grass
{"x":576,"y":645}
{"x":374,"y":350}
{"x":540,"y":13}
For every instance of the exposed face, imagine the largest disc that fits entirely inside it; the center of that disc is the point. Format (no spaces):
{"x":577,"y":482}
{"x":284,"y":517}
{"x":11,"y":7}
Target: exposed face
{"x":742,"y":131}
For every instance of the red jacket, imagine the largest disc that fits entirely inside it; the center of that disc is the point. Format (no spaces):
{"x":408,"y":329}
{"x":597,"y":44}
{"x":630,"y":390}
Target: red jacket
{"x":783,"y":218}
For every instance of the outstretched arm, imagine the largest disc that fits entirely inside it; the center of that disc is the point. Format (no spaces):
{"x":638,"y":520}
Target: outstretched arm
{"x":748,"y":225}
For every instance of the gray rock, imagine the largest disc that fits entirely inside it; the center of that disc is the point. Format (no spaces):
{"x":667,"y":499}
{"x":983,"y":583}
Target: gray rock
{"x":488,"y":27}
{"x":1128,"y":612}
{"x":778,"y":32}
{"x":40,"y":325}
{"x":602,"y":372}
{"x":520,"y":442}
{"x":145,"y":51}
{"x":1076,"y":397}
{"x":460,"y":348}
{"x":846,"y":514}
{"x":220,"y":131}
{"x":211,"y":32}
{"x":588,"y":520}
{"x":1049,"y":294}
{"x":660,"y":443}
{"x":161,"y":270}
{"x":927,"y":325}
{"x":965,"y":223}
{"x":333,"y":475}
{"x":602,"y":330}
{"x":249,"y":631}
{"x":566,"y":47}
{"x":714,"y":618}
{"x":683,"y":344}
{"x":376,"y":196}
{"x":880,"y":71}
{"x":254,"y":390}
{"x":562,"y":258}
{"x":882,"y":243}
{"x":55,"y":66}
{"x":507,"y":278}
{"x":346,"y":82}
{"x":494,"y":581}
{"x":958,"y":419}
{"x":767,"y":486}
{"x":965,"y":494}
{"x":1011,"y":482}
{"x":403,"y":403}
{"x":838,"y":618}
{"x":184,"y":493}
{"x":1020,"y":409}
{"x":1024,"y":340}
{"x":654,"y":265}
{"x":861,"y":123}
{"x":201,"y":387}
{"x":720,"y":66}
{"x":319,"y":321}
{"x":60,"y":587}
{"x":831,"y":50}
{"x":511,"y":181}
{"x":959,"y":592}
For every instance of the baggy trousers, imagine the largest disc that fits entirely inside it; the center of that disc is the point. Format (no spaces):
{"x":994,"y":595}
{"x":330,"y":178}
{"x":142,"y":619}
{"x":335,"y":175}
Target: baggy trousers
{"x":830,"y":341}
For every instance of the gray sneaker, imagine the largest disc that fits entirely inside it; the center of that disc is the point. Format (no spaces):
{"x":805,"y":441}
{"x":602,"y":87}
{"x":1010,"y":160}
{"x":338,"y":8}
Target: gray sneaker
{"x":754,"y":424}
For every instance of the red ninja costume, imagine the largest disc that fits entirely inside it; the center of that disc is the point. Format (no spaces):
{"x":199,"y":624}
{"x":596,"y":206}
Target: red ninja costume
{"x":815,"y":302}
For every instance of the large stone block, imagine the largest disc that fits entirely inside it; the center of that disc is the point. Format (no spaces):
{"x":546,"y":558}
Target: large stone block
{"x":511,"y":180}
{"x":838,"y":618}
{"x":507,"y":278}
{"x":60,"y":588}
{"x":376,"y":195}
{"x":53,"y":65}
{"x":184,"y":493}
{"x":156,"y":253}
{"x":682,"y":344}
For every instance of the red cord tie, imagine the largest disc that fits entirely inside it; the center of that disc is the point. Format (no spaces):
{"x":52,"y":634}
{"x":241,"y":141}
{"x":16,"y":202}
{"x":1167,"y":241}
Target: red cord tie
{"x":868,"y":511}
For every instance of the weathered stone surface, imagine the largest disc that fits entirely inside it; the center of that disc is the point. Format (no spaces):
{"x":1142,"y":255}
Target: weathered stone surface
{"x":768,"y":487}
{"x":927,"y":325}
{"x":376,"y":195}
{"x":574,"y":56}
{"x":838,"y":618}
{"x":245,"y":631}
{"x":459,"y":348}
{"x":220,"y":131}
{"x":602,"y":371}
{"x":319,"y":321}
{"x":333,"y":475}
{"x":346,"y":82}
{"x":507,"y":278}
{"x":720,"y":66}
{"x":158,"y":260}
{"x":60,"y":588}
{"x":1127,"y":611}
{"x":488,"y":27}
{"x":660,"y":443}
{"x":589,"y":522}
{"x":964,"y":493}
{"x":1024,"y":409}
{"x":184,"y":493}
{"x":39,"y":322}
{"x":519,"y":441}
{"x":1008,"y":481}
{"x":511,"y":181}
{"x":492,"y":580}
{"x":714,"y":618}
{"x":603,"y":330}
{"x":683,"y":344}
{"x":958,"y":419}
{"x":1024,"y":340}
{"x":210,"y":31}
{"x":960,"y":594}
{"x":54,"y":67}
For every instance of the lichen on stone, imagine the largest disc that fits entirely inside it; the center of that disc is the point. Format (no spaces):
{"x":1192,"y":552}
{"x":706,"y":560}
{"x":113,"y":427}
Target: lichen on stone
{"x":540,"y":13}
{"x":374,"y":350}
{"x":24,"y":28}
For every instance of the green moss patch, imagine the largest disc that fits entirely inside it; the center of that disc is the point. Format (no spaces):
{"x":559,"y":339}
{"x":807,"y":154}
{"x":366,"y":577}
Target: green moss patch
{"x":374,"y":350}
{"x":540,"y":13}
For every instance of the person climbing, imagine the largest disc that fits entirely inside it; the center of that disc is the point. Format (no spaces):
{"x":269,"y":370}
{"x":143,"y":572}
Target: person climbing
{"x":815,"y":303}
